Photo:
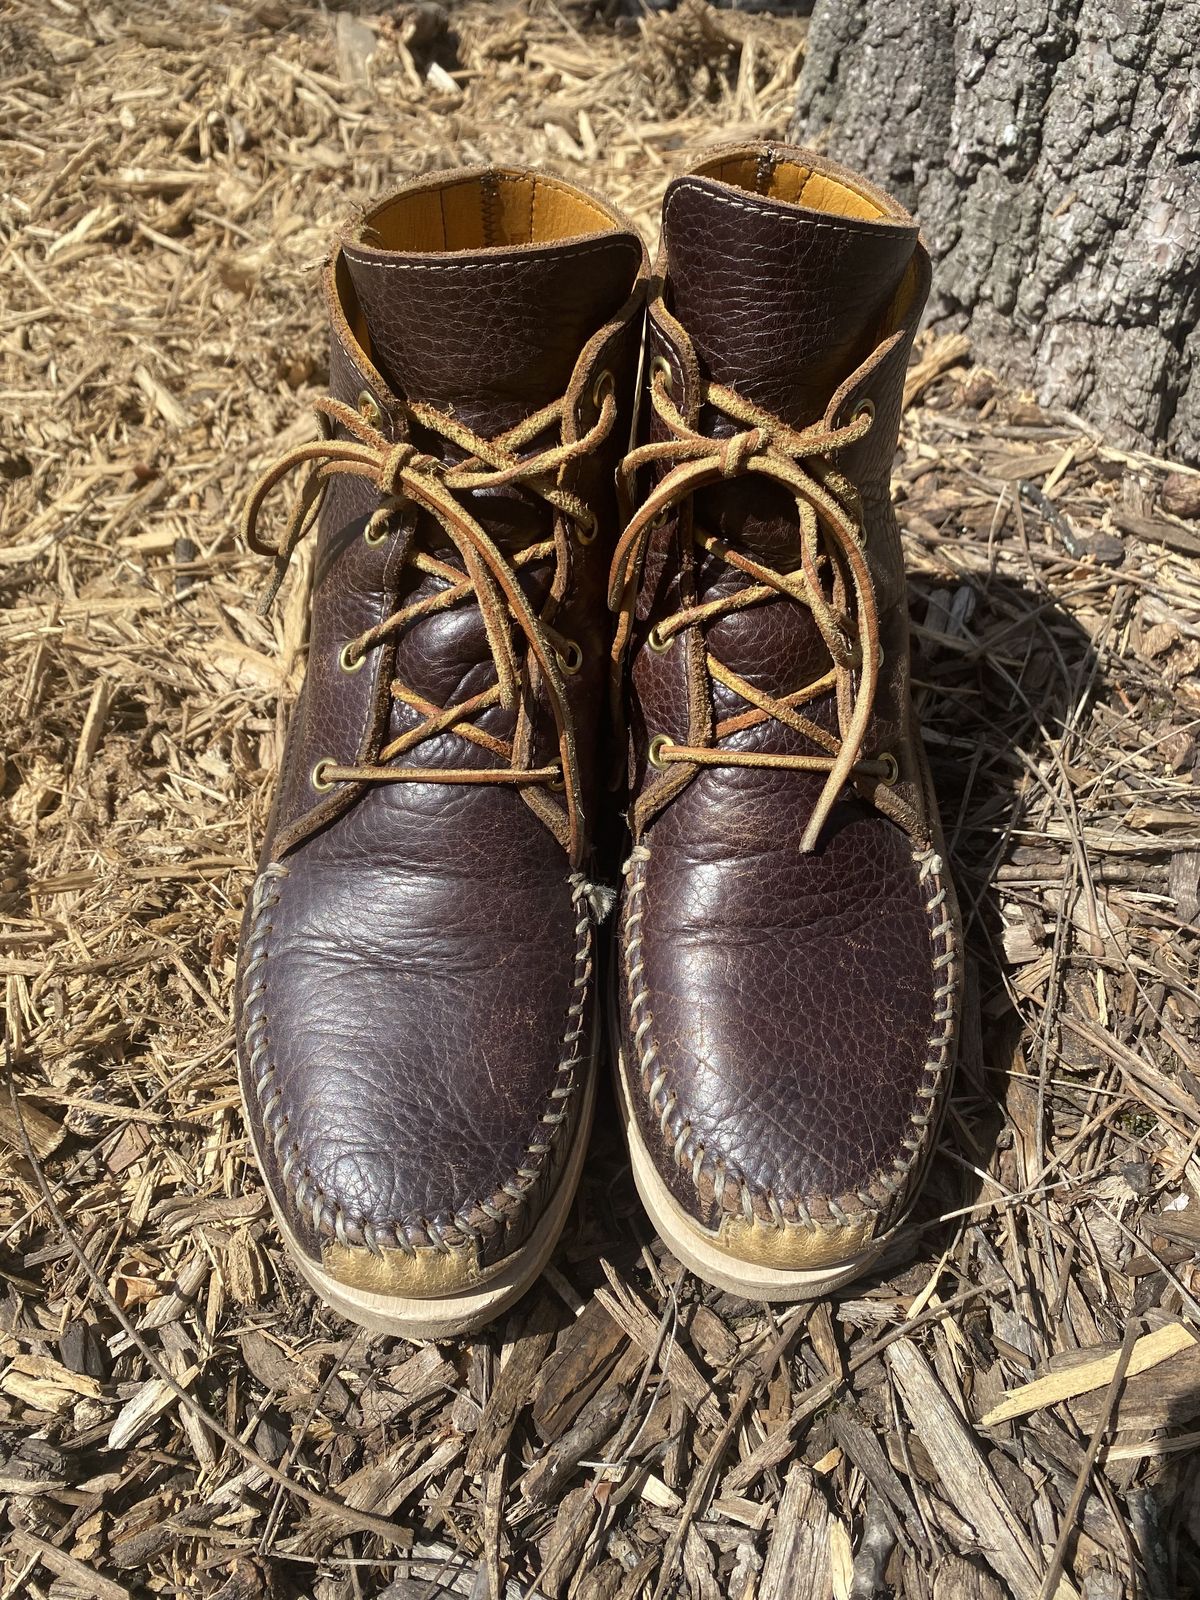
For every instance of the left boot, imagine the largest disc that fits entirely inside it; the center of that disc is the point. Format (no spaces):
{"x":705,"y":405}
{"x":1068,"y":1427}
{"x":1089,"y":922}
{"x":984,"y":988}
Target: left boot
{"x":416,"y":1005}
{"x":789,"y":950}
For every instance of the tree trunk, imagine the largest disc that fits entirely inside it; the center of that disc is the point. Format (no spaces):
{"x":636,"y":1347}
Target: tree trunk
{"x":1051,"y":149}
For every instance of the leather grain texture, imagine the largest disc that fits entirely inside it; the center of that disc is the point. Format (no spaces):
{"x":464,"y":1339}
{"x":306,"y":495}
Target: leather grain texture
{"x":416,"y":992}
{"x":788,"y":1016}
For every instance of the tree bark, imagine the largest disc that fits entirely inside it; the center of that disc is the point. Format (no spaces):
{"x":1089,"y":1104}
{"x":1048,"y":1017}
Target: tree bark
{"x":1051,"y":149}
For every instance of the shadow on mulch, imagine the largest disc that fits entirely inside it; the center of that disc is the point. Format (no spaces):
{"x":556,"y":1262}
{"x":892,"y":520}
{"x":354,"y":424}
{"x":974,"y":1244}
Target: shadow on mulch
{"x":991,"y":714}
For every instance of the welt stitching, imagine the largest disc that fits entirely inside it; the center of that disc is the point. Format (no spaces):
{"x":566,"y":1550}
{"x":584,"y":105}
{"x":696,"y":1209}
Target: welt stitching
{"x":327,"y":1214}
{"x":691,"y":1155}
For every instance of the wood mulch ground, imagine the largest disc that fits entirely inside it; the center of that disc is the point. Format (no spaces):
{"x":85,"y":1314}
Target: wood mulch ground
{"x":1011,"y":1405}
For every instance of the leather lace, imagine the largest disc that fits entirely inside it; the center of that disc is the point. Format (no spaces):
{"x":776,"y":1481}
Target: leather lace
{"x":830,"y":524}
{"x":404,"y":475}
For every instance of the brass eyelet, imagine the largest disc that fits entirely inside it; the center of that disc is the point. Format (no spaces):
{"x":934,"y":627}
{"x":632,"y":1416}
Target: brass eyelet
{"x":588,"y":534}
{"x":892,"y":773}
{"x":654,"y":753}
{"x":368,"y":408}
{"x":376,"y":537}
{"x":570,"y":657}
{"x":660,"y":367}
{"x":318,"y":782}
{"x":346,"y":661}
{"x":558,"y":785}
{"x":863,"y":411}
{"x":656,"y":641}
{"x":604,"y":384}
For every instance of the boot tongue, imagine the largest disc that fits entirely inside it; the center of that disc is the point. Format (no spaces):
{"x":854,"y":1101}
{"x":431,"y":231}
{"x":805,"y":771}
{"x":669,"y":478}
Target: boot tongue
{"x":781,"y":302}
{"x":495,"y":334}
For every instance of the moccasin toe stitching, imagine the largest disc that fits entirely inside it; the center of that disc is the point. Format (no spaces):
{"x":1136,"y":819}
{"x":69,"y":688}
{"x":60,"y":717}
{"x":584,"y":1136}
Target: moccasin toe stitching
{"x":329,"y":1160}
{"x":695,"y":1150}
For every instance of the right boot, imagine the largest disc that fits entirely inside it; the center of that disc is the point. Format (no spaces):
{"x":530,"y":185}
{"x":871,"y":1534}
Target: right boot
{"x":789,"y":948}
{"x":416,"y":991}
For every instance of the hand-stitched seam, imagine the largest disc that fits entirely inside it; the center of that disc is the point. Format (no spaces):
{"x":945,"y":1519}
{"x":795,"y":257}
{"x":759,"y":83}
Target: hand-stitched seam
{"x":327,"y":1215}
{"x":845,"y":1211}
{"x":850,"y":225}
{"x":504,"y":262}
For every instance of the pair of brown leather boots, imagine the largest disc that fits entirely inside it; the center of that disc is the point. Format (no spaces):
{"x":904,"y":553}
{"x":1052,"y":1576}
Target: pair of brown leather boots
{"x":576,"y":520}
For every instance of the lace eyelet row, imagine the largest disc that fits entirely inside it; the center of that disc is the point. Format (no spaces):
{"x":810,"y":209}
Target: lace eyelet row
{"x":603,"y":385}
{"x":569,"y":658}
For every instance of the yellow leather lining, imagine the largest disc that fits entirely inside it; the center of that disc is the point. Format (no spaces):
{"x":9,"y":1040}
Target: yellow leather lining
{"x":791,"y":1249}
{"x":909,"y":288}
{"x":346,"y":300}
{"x":480,"y":212}
{"x":422,"y":1275}
{"x":795,"y":183}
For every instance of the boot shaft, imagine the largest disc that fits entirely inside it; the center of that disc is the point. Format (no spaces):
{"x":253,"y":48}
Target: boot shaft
{"x":801,"y":286}
{"x":788,"y":950}
{"x":487,"y":296}
{"x":796,"y":287}
{"x":786,"y":272}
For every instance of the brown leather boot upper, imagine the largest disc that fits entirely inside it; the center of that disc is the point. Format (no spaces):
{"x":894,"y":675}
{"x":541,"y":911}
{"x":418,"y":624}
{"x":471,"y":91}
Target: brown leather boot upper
{"x":416,"y":998}
{"x":789,"y":959}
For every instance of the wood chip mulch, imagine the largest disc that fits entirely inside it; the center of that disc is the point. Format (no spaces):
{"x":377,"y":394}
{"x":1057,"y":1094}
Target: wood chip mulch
{"x":1011,"y":1405}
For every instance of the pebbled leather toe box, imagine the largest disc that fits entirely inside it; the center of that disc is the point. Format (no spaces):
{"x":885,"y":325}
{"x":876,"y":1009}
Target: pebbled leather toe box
{"x":414,"y":1035}
{"x":788,"y":1018}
